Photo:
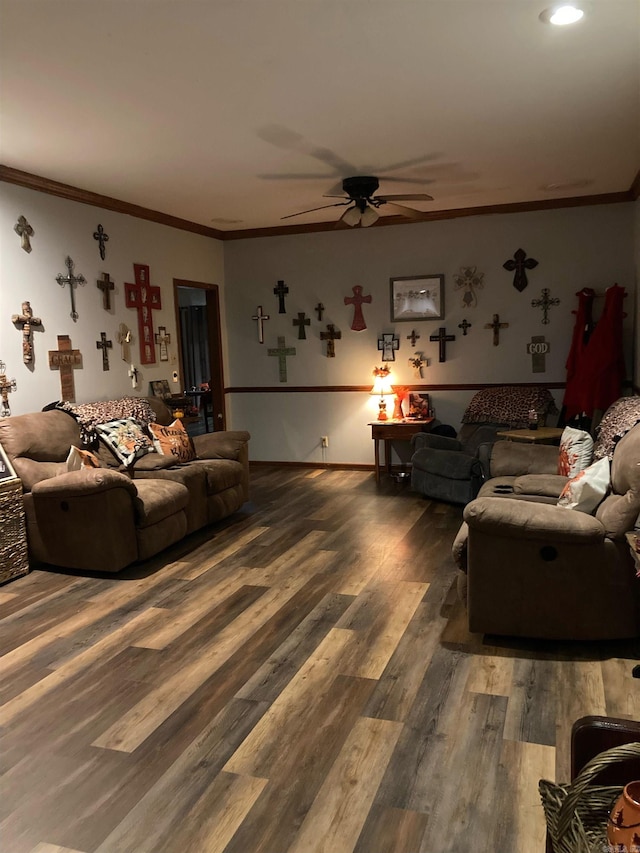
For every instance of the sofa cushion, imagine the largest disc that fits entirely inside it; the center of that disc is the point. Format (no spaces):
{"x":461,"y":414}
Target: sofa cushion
{"x":576,"y":451}
{"x":173,"y":441}
{"x":514,"y":457}
{"x":220,"y":474}
{"x":157,"y":500}
{"x":126,"y":438}
{"x":221,"y":445}
{"x":543,"y":485}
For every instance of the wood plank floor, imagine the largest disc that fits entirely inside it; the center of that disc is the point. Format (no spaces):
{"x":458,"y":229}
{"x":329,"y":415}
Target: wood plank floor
{"x":297,"y":680}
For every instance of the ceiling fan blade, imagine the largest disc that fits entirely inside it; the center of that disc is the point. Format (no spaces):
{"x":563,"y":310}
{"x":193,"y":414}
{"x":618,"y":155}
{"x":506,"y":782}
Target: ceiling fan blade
{"x":405,"y":197}
{"x":384,"y":179}
{"x":401,"y":210}
{"x":290,"y":176}
{"x":407,"y":164}
{"x":312,"y":209}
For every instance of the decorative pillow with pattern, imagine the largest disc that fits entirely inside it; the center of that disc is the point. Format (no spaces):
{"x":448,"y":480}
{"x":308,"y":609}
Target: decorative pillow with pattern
{"x":126,"y":438}
{"x":619,"y":418}
{"x":588,"y":488}
{"x":173,"y":440}
{"x":78,"y":459}
{"x":576,"y":451}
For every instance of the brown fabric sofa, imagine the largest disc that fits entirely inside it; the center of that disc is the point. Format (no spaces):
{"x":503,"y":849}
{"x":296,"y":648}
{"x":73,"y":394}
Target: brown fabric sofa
{"x":103,"y":519}
{"x":531,"y":568}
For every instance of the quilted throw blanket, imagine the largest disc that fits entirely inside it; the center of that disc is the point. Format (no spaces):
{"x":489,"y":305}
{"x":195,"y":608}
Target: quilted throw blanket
{"x":89,"y":415}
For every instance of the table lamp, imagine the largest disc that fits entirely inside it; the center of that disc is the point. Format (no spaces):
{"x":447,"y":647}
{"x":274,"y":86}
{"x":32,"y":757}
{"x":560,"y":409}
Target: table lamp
{"x":382,"y":387}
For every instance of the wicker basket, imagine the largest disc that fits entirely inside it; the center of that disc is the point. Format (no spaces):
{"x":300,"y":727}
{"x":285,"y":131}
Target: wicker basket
{"x":14,"y":560}
{"x":577,"y":813}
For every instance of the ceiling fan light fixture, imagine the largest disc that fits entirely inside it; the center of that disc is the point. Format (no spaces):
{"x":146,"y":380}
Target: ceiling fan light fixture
{"x":351,"y":216}
{"x":562,"y":14}
{"x":369,"y":216}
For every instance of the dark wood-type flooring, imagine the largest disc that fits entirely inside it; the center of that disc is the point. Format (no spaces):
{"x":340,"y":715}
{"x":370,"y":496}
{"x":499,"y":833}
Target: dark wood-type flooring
{"x":297,"y":680}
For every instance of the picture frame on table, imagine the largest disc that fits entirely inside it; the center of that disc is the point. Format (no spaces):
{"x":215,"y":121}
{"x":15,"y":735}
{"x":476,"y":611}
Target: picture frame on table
{"x":417,"y":297}
{"x":6,"y":469}
{"x":160,"y":388}
{"x":418,"y":406}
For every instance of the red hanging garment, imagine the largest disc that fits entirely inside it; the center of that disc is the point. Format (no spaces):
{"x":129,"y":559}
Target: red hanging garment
{"x":604,"y":357}
{"x":581,"y":333}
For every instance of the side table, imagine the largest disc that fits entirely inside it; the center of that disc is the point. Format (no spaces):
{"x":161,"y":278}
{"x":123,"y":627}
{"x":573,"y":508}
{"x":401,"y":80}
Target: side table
{"x":542,"y":435}
{"x":14,"y":560}
{"x":388,"y":431}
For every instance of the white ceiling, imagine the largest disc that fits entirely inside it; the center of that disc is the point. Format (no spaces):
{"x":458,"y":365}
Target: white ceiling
{"x":235,"y":113}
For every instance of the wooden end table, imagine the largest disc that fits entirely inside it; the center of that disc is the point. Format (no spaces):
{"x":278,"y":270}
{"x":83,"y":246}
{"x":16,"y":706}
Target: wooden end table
{"x":388,"y":431}
{"x":542,"y":435}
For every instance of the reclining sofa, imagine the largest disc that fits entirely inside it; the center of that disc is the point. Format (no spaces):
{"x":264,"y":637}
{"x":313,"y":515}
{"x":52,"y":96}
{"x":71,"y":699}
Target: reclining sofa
{"x":103,"y":519}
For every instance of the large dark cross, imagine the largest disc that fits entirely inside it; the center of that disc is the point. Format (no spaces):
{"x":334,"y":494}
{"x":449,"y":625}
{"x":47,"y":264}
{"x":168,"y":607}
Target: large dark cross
{"x":413,"y":337}
{"x":71,"y":280}
{"x":27,"y":321}
{"x":106,"y":286}
{"x":442,"y":337}
{"x":496,"y":325}
{"x":104,"y":345}
{"x":301,"y":323}
{"x":545,"y":303}
{"x":260,"y":318}
{"x":464,"y":326}
{"x":24,"y":231}
{"x":65,"y":359}
{"x":6,"y":387}
{"x":356,"y":300}
{"x":330,"y":336}
{"x":102,"y":238}
{"x":281,"y":291}
{"x":519,"y":267}
{"x":281,"y":352}
{"x":145,"y":298}
{"x":319,"y":310}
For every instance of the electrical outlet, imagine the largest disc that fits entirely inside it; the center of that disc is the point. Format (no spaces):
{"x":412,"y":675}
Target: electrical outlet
{"x":324,"y":440}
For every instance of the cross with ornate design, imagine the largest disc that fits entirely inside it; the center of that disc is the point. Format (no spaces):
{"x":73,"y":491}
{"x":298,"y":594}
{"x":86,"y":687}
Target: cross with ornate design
{"x":163,"y":339}
{"x":104,"y":345}
{"x":106,"y":286}
{"x":71,"y":280}
{"x":388,"y":344}
{"x":260,"y":317}
{"x":145,"y":299}
{"x":496,"y":325}
{"x":24,"y":231}
{"x":301,"y":323}
{"x":27,"y":321}
{"x":102,"y":238}
{"x":418,"y":362}
{"x":330,"y":336}
{"x":281,"y":291}
{"x":413,"y":337}
{"x":6,"y":387}
{"x":464,"y":326}
{"x":281,"y":352}
{"x":545,"y":303}
{"x":519,"y":266}
{"x":442,"y":337}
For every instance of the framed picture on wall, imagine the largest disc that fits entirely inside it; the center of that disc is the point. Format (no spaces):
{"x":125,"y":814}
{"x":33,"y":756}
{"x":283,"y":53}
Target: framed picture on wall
{"x":417,"y":297}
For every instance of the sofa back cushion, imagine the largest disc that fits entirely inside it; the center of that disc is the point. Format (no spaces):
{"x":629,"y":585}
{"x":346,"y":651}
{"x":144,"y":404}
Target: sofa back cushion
{"x":38,"y":444}
{"x":510,"y":458}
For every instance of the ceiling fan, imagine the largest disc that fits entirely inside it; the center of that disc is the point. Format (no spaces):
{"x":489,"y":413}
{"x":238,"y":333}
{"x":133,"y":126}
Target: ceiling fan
{"x":362,"y":204}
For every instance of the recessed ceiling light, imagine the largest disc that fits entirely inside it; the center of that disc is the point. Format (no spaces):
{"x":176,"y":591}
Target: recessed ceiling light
{"x":562,"y":14}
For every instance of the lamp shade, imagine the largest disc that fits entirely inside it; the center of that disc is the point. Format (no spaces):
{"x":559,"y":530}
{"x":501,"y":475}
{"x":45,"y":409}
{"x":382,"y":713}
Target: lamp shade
{"x":351,"y":216}
{"x":369,"y":216}
{"x":382,"y":386}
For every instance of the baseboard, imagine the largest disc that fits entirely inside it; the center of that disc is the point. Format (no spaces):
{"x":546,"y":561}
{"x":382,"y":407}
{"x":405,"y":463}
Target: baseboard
{"x":342,"y":466}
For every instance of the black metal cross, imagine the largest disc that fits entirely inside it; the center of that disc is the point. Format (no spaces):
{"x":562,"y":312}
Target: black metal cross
{"x":260,"y":317}
{"x":519,"y":267}
{"x":24,"y":231}
{"x":301,"y":323}
{"x":106,"y":286}
{"x":464,"y":326}
{"x":413,"y":337}
{"x":319,"y":309}
{"x":281,"y":291}
{"x":330,"y":336}
{"x":104,"y":345}
{"x":545,"y":302}
{"x":442,"y":337}
{"x":71,"y":280}
{"x":102,"y":238}
{"x":496,"y":325}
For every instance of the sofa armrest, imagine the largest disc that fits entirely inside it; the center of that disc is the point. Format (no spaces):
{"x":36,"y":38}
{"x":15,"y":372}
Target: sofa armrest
{"x":513,"y":458}
{"x":422,"y":440}
{"x":516,"y":519}
{"x":229,"y":444}
{"x":86,"y":481}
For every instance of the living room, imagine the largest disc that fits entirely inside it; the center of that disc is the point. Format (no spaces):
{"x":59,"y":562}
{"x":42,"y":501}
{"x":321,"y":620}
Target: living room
{"x":558,"y":180}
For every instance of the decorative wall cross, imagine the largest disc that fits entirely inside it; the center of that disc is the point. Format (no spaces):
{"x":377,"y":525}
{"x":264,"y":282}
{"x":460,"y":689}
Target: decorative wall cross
{"x":418,"y":362}
{"x":388,"y":344}
{"x":442,"y":337}
{"x":145,"y":298}
{"x":537,"y":349}
{"x":24,"y":231}
{"x":102,"y":238}
{"x":331,"y":336}
{"x":132,"y":373}
{"x":71,"y":280}
{"x":163,"y":339}
{"x":464,"y":326}
{"x":356,"y":300}
{"x":519,"y":266}
{"x":124,"y":339}
{"x":260,"y":318}
{"x":27,"y":321}
{"x":281,"y":291}
{"x":104,"y":345}
{"x":413,"y":337}
{"x":469,"y":280}
{"x":6,"y":387}
{"x":66,"y":359}
{"x":106,"y":286}
{"x":496,"y":325}
{"x":319,"y":310}
{"x":281,"y":352}
{"x":545,"y":302}
{"x":301,"y":323}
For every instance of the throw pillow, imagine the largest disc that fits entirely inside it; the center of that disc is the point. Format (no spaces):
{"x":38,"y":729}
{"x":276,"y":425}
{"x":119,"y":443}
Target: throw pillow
{"x":126,"y":438}
{"x":173,"y":440}
{"x":78,"y":459}
{"x":588,"y":488}
{"x":576,"y":451}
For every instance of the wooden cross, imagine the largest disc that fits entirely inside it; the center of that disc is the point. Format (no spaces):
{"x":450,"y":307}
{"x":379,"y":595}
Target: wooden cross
{"x":106,"y":286}
{"x":260,"y":317}
{"x":6,"y":387}
{"x":464,"y":326}
{"x":330,"y":336}
{"x":145,"y":298}
{"x":132,"y":373}
{"x":163,"y":339}
{"x":442,"y":337}
{"x":124,"y":339}
{"x":496,"y":325}
{"x":102,"y":238}
{"x":413,"y":337}
{"x":24,"y":231}
{"x":27,"y":321}
{"x":388,"y":343}
{"x":281,"y":352}
{"x":319,"y":310}
{"x":356,"y":300}
{"x":418,"y":362}
{"x":65,"y":359}
{"x":519,"y":267}
{"x":545,"y":303}
{"x":301,"y":323}
{"x":71,"y":280}
{"x":280,"y":291}
{"x":104,"y":345}
{"x":537,"y":349}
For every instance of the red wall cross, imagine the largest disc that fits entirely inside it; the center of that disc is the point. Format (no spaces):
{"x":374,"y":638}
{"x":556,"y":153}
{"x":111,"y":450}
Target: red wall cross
{"x":145,"y":298}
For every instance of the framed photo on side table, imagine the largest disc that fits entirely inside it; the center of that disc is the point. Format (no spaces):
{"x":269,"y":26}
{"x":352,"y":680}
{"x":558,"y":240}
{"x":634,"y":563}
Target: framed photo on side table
{"x":417,"y":297}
